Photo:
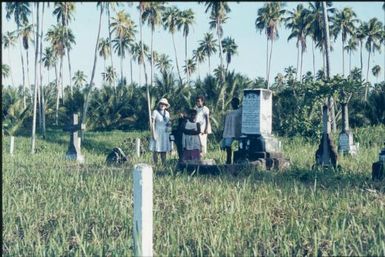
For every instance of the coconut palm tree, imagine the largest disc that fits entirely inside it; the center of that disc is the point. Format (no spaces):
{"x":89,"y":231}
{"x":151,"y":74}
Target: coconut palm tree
{"x":124,"y":29}
{"x":269,"y":19}
{"x":64,"y":12}
{"x":383,"y":36}
{"x":372,"y":44}
{"x":170,"y":17}
{"x":26,"y":33}
{"x":20,"y":12}
{"x":184,"y":22}
{"x":153,"y":15}
{"x":140,"y":53}
{"x":208,"y":46}
{"x":218,"y":11}
{"x":361,"y":35}
{"x":108,"y":7}
{"x":91,"y":84}
{"x":79,"y":78}
{"x":109,"y":75}
{"x":350,"y":48}
{"x":296,"y":21}
{"x":344,"y":22}
{"x":49,"y":59}
{"x":376,"y":70}
{"x":163,"y":63}
{"x":199,"y":57}
{"x":104,"y":49}
{"x":9,"y":40}
{"x":230,"y":49}
{"x":189,"y":68}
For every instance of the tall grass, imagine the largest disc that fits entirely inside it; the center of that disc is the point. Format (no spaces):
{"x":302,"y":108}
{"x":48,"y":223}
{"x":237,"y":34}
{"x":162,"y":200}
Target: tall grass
{"x":53,"y":207}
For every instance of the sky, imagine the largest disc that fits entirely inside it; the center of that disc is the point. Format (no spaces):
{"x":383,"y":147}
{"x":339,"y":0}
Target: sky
{"x":250,"y":60}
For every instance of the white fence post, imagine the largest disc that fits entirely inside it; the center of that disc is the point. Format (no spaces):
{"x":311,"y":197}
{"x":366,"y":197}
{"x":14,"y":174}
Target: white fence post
{"x":12,"y":145}
{"x":138,"y":147}
{"x":79,"y":141}
{"x":142,"y":226}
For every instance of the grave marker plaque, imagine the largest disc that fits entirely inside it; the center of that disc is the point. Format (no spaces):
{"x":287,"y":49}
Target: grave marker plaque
{"x":345,"y":144}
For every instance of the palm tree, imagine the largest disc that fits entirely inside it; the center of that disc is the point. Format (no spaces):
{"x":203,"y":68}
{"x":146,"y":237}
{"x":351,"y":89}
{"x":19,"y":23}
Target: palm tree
{"x":104,"y":49}
{"x":42,"y":98}
{"x":5,"y":71}
{"x":20,"y":12}
{"x":169,"y":18}
{"x":218,"y":11}
{"x":372,"y":44}
{"x":86,"y":101}
{"x":269,"y":18}
{"x":208,"y":46}
{"x":26,"y":33}
{"x":140,"y":51}
{"x":184,"y":22}
{"x":124,"y":29}
{"x":49,"y":59}
{"x":229,"y":48}
{"x":79,"y":78}
{"x":109,"y":76}
{"x":153,"y":15}
{"x":108,"y":6}
{"x":36,"y":86}
{"x":383,"y":36}
{"x":64,"y":13}
{"x":376,"y":70}
{"x":163,"y":63}
{"x":199,"y":57}
{"x":189,"y":68}
{"x":9,"y":40}
{"x":350,"y":48}
{"x":344,"y":23}
{"x":297,"y":22}
{"x":361,"y":35}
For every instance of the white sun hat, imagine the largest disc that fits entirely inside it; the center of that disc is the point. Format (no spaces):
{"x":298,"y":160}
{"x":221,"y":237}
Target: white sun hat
{"x":164,"y":101}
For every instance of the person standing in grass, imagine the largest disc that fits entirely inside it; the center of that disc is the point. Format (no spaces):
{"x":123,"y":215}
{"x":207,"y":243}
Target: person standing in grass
{"x":232,"y":129}
{"x":191,"y":140}
{"x":203,"y":118}
{"x":160,"y":141}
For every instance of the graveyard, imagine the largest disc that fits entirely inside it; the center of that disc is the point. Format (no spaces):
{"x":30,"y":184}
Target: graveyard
{"x":106,"y":114}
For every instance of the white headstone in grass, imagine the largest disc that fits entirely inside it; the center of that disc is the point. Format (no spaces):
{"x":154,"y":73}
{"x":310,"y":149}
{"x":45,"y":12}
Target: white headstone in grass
{"x":345,"y":143}
{"x":257,"y":112}
{"x":142,"y":227}
{"x":138,"y":147}
{"x":12,"y":145}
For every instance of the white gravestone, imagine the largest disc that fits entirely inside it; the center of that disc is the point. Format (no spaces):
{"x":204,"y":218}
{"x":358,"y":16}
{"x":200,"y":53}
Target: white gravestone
{"x":257,"y":112}
{"x":345,"y":143}
{"x":12,"y":145}
{"x":138,"y":147}
{"x":143,"y":216}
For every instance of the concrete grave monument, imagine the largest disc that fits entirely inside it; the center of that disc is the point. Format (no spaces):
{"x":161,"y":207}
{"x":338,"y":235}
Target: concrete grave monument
{"x":326,"y":154}
{"x":73,"y":152}
{"x":345,"y":142}
{"x":257,"y":143}
{"x":378,"y":168}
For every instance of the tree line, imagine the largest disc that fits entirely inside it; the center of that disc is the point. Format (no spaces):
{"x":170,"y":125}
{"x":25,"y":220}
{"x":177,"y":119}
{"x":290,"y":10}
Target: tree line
{"x":119,"y":104}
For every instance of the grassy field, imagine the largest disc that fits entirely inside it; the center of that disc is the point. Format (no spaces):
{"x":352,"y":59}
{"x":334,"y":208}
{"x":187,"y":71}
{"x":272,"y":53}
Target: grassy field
{"x":53,"y":207}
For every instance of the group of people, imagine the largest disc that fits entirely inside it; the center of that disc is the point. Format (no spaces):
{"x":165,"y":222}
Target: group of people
{"x":190,"y":135}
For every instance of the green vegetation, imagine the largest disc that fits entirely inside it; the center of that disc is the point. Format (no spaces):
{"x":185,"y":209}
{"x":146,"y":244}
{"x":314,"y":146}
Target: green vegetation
{"x":53,"y":207}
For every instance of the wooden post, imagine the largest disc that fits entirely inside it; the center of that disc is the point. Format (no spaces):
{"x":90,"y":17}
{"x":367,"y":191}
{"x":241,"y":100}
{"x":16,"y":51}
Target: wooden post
{"x":142,"y":227}
{"x":138,"y":147}
{"x":12,"y":145}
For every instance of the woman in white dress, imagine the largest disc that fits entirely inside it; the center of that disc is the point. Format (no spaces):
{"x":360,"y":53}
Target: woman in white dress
{"x":161,"y":128}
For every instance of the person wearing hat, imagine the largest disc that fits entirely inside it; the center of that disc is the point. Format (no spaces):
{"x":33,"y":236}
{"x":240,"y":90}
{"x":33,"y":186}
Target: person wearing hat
{"x":160,"y":130}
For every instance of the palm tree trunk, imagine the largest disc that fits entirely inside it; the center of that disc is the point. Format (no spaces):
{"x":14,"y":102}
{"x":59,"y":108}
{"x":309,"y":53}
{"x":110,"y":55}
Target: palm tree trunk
{"x":109,"y":35}
{"x":296,"y":76}
{"x":343,"y":58}
{"x":367,"y":76}
{"x":69,"y":69}
{"x":57,"y":96}
{"x":208,"y":57}
{"x":22,"y":71}
{"x":86,"y":102}
{"x":312,"y":48}
{"x":271,"y":53}
{"x":152,"y":58}
{"x":132,"y":80}
{"x":121,"y":59}
{"x":267,"y":57}
{"x":350,"y":62}
{"x":61,"y":79}
{"x":33,"y":136}
{"x":176,"y":57}
{"x":41,"y":75}
{"x":185,"y":59}
{"x":300,"y":72}
{"x":28,"y":80}
{"x":361,"y":58}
